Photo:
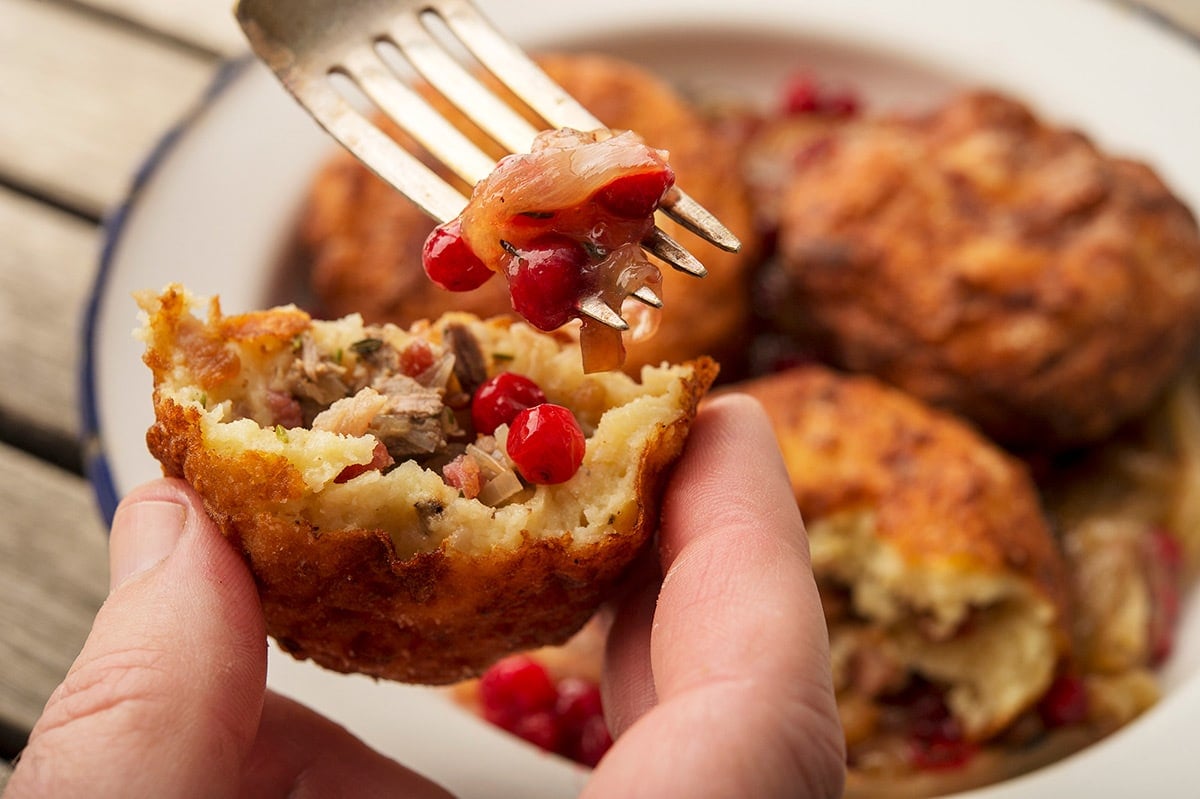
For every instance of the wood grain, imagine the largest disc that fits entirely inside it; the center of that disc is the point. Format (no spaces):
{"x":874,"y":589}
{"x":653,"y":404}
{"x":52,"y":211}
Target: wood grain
{"x":54,"y":569}
{"x":93,"y":96}
{"x":206,"y":24}
{"x":46,"y":268}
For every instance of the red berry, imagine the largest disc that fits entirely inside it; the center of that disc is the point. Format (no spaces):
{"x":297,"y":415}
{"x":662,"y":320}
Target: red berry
{"x":1164,"y":560}
{"x":514,"y":688}
{"x":940,"y":753}
{"x":578,"y":702}
{"x":1065,"y":702}
{"x":594,"y":741}
{"x":801,"y":95}
{"x":635,"y":196}
{"x":546,"y":444}
{"x":449,"y":261}
{"x":840,"y":104}
{"x":540,"y":729}
{"x":501,"y":398}
{"x":545,"y":281}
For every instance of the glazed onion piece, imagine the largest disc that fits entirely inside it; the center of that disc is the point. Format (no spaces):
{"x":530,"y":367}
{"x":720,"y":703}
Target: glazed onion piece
{"x":563,"y":224}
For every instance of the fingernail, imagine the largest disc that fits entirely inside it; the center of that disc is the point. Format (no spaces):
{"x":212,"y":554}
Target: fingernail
{"x":143,"y":534}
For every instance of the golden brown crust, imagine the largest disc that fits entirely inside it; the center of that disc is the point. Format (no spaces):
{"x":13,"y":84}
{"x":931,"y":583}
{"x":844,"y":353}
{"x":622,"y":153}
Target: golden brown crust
{"x":929,"y":545}
{"x":343,"y":597}
{"x":939,"y":490}
{"x":994,"y":265}
{"x":364,"y":240}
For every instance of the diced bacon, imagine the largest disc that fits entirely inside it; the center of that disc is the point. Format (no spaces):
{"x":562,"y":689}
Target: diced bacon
{"x":416,"y":358}
{"x":285,"y":409}
{"x":380,"y":460}
{"x":463,"y":473}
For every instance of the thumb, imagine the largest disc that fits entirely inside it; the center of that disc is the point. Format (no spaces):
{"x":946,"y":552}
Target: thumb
{"x":165,"y":698}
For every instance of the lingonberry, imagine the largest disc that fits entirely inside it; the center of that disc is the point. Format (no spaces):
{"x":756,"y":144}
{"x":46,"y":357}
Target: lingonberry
{"x":449,"y":261}
{"x":514,"y":688}
{"x":546,"y":444}
{"x":635,"y":196}
{"x":545,"y":281}
{"x":1066,"y":702}
{"x":501,"y":398}
{"x":594,"y":741}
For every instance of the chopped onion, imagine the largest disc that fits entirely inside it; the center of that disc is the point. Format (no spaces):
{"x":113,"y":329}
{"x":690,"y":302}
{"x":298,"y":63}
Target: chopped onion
{"x":500,"y":488}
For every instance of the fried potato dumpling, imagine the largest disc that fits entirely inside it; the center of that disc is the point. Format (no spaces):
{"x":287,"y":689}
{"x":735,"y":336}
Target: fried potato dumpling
{"x":362,"y":240}
{"x":935,"y":562}
{"x":325,"y":452}
{"x":991,"y":264}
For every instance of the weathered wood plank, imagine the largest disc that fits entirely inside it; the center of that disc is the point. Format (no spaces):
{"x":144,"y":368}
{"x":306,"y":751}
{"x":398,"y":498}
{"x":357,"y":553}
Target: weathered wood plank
{"x":86,"y":99}
{"x":47,"y":265}
{"x":54,"y":569}
{"x":208,"y":24}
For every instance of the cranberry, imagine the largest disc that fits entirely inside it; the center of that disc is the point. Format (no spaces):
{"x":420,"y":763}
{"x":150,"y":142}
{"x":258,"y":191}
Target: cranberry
{"x":515,"y":687}
{"x":578,"y":702}
{"x":585,"y":737}
{"x":449,"y":261}
{"x":545,"y":281}
{"x":546,"y":444}
{"x":801,"y":95}
{"x":594,"y":741}
{"x":635,"y":196}
{"x":932,"y":754}
{"x":935,"y":736}
{"x":1164,"y":569}
{"x":501,"y":398}
{"x":540,"y":728}
{"x":1066,"y":702}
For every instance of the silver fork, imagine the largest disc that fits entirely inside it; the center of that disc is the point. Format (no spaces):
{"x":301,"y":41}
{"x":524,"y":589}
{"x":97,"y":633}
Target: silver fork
{"x":306,"y":42}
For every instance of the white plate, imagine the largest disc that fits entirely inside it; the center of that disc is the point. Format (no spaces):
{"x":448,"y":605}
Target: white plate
{"x":213,"y":206}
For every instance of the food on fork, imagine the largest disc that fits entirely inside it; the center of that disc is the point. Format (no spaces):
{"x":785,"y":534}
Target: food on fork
{"x":408,"y":511}
{"x":944,"y":590}
{"x":992,"y":264}
{"x":564,"y":224}
{"x":362,"y":241}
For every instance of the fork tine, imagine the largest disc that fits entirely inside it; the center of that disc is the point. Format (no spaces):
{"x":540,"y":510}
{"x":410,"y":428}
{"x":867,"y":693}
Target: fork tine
{"x":698,"y":219}
{"x":529,"y":82}
{"x":495,"y":117}
{"x":673,"y":253}
{"x":593,"y":307}
{"x":412,"y":113}
{"x":387,"y":159}
{"x":646,"y":295}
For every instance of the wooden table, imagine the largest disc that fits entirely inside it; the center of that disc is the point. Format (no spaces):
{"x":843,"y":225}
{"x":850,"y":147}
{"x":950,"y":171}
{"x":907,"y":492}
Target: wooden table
{"x":86,"y":88}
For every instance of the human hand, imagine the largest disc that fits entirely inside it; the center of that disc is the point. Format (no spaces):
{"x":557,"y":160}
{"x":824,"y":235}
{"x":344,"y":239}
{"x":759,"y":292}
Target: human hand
{"x":727,"y":694}
{"x":717,"y":677}
{"x":168,"y":697}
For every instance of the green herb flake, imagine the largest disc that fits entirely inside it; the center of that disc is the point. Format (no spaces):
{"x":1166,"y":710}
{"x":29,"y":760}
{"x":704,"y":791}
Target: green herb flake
{"x":367,"y":346}
{"x":337,"y":356}
{"x":537,"y":214}
{"x":281,"y":433}
{"x":594,"y":251}
{"x":503,"y":356}
{"x":509,"y":248}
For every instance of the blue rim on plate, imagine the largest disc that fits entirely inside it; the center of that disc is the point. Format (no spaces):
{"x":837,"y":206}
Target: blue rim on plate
{"x":95,"y":459}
